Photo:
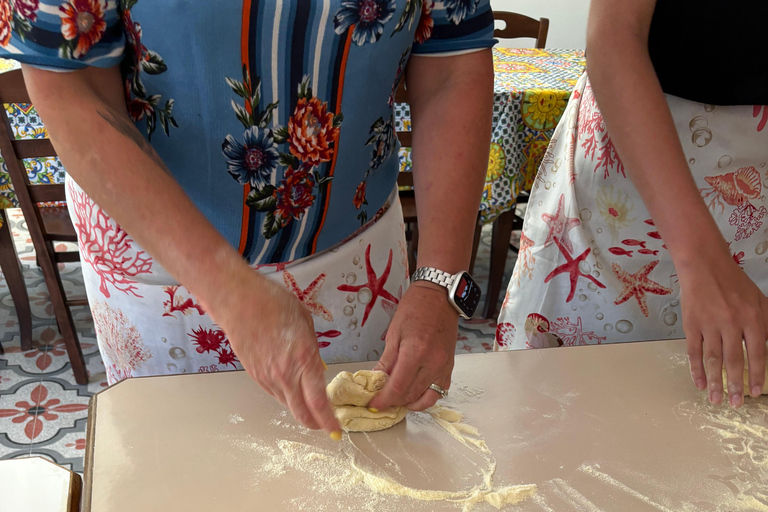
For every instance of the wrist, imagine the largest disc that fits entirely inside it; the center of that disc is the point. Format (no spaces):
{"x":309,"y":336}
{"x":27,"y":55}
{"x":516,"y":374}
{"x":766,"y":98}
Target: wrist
{"x":438,"y":294}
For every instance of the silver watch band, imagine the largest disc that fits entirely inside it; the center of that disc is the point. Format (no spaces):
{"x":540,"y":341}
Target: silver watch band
{"x":433,"y":275}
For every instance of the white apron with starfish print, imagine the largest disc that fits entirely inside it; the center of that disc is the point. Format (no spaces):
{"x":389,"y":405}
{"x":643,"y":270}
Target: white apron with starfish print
{"x":147,"y":324}
{"x":592,"y":268}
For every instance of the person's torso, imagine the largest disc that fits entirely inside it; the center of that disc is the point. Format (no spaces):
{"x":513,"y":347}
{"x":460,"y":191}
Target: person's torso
{"x":278,"y":113}
{"x":711,"y":51}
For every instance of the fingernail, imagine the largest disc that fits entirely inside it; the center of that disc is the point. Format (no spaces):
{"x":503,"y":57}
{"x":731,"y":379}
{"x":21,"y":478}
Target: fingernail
{"x":756,"y":391}
{"x":373,"y":409}
{"x":324,"y":365}
{"x":336,"y":435}
{"x":736,"y":400}
{"x":701,"y":384}
{"x":716,"y":397}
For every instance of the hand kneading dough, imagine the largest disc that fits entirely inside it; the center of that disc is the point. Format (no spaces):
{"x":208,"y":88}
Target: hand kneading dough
{"x":746,"y":378}
{"x":350,"y":395}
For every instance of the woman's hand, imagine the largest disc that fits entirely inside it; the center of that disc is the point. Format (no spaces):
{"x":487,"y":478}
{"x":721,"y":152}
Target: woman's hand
{"x":421,"y":342}
{"x":722,"y":307}
{"x":273,"y":335}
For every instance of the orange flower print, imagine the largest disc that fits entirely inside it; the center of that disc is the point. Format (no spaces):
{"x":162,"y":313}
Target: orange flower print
{"x":426,"y":23}
{"x":83,"y":21}
{"x":6,"y":19}
{"x":312,"y":131}
{"x":359,"y":199}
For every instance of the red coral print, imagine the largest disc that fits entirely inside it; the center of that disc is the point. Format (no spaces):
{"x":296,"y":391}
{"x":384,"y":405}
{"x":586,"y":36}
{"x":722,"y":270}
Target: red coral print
{"x":756,"y":113}
{"x":312,"y":131}
{"x":572,"y":334}
{"x":26,"y":9}
{"x":83,"y":20}
{"x":176,"y":303}
{"x":747,"y":219}
{"x":208,"y":340}
{"x":505,"y":334}
{"x":122,"y":347}
{"x":227,"y":356}
{"x":208,"y":369}
{"x":426,"y":23}
{"x":6,"y":20}
{"x":359,"y":199}
{"x":595,"y":138}
{"x":106,"y":247}
{"x":37,"y":410}
{"x":294,"y":195}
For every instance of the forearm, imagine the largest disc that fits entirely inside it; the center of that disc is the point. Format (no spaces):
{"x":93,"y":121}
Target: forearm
{"x":642,"y":129}
{"x":451,"y":106}
{"x":108,"y":157}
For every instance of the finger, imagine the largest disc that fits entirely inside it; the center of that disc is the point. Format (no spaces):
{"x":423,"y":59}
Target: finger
{"x":426,"y":377}
{"x":389,"y":357}
{"x":713,"y":362}
{"x":430,"y":396}
{"x":313,"y":388}
{"x":695,"y":359}
{"x":733,"y":357}
{"x":399,"y":386}
{"x":300,"y":410}
{"x":755,"y":342}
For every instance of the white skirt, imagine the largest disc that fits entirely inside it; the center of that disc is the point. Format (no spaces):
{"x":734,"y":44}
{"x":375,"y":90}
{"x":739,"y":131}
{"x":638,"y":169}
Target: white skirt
{"x":592,"y":268}
{"x":147,"y":324}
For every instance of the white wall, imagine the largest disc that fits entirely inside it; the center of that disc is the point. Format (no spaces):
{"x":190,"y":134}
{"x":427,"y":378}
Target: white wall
{"x":567,"y":20}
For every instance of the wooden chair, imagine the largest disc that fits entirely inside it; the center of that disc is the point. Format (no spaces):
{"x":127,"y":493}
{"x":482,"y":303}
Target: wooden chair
{"x":518,"y":25}
{"x":47,"y":224}
{"x":14,"y":278}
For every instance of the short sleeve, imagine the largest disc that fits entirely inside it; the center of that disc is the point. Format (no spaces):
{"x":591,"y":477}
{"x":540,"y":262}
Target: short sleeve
{"x":62,"y":35}
{"x":454,"y":26}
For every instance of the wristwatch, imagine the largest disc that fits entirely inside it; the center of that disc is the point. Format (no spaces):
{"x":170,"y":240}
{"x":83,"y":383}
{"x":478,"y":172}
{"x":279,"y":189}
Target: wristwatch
{"x":463,"y":291}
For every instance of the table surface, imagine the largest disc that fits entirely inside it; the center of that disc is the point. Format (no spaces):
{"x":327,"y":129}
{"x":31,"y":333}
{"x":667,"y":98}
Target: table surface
{"x":36,"y":485}
{"x":598,"y":428}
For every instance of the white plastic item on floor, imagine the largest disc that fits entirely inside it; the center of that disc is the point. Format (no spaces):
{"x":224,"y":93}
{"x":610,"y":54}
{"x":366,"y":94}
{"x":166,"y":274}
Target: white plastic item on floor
{"x":36,"y":485}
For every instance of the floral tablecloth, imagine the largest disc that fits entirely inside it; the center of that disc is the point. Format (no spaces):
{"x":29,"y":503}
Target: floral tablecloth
{"x":531,"y":90}
{"x":26,"y":125}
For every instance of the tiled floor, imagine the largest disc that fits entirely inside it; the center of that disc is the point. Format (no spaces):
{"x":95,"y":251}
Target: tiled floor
{"x":44,"y":412}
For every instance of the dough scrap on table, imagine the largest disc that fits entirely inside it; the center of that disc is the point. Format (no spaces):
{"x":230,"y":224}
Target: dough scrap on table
{"x":350,"y":395}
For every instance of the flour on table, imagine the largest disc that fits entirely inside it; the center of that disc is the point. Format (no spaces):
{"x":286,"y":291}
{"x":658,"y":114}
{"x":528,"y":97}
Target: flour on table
{"x":235,"y":419}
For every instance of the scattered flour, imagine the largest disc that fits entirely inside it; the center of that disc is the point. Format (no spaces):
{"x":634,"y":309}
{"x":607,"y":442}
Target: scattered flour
{"x":235,"y":419}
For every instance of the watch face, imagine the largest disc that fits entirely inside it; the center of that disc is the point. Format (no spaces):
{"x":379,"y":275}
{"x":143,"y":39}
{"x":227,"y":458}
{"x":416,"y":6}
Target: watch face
{"x":467,"y":294}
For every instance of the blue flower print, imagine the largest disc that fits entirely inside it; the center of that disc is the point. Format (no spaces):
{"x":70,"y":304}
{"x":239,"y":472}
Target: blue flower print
{"x":368,"y":17}
{"x":457,"y":10}
{"x":253,"y":161}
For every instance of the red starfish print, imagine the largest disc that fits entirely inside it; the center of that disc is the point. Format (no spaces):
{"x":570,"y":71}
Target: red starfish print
{"x":174,"y":304}
{"x":308,"y":297}
{"x":637,"y":285}
{"x":559,"y":224}
{"x":571,"y":266}
{"x":375,"y":284}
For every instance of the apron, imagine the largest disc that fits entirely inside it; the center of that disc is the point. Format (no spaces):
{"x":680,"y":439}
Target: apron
{"x":592,"y":267}
{"x":148,"y":324}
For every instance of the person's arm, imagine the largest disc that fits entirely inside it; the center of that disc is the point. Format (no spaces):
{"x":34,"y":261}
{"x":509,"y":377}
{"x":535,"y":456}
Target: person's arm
{"x":721,"y":305}
{"x":105,"y":153}
{"x":451,"y":101}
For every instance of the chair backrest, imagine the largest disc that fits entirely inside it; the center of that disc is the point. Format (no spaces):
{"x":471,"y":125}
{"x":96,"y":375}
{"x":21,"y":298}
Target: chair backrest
{"x":519,"y":25}
{"x":404,"y":179}
{"x":14,"y":91}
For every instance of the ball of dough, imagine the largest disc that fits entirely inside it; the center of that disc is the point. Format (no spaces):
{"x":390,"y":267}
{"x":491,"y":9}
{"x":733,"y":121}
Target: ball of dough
{"x":350,"y":395}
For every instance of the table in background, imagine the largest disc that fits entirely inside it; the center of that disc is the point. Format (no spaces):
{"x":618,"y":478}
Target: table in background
{"x":37,"y":485}
{"x":601,"y":428}
{"x":531,"y":89}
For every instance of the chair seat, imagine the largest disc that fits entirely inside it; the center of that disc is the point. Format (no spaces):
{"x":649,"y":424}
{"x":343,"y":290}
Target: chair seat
{"x":58,"y":226}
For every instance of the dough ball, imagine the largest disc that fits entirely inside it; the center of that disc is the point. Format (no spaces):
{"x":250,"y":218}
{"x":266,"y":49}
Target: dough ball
{"x":350,"y":395}
{"x":746,"y":378}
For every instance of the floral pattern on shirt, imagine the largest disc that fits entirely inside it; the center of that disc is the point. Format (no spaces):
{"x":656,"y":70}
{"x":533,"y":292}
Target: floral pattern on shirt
{"x":368,"y":17}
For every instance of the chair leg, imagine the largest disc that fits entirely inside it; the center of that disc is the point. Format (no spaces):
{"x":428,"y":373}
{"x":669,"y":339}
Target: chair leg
{"x":62,"y":312}
{"x":12,"y":271}
{"x":475,"y":245}
{"x":502,"y":232}
{"x":413,"y":248}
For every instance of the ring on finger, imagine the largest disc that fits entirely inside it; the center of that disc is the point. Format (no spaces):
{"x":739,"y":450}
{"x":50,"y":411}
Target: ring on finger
{"x":440,"y":391}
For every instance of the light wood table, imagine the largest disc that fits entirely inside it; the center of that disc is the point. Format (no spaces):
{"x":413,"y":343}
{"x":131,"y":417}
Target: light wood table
{"x":37,"y":485}
{"x":606,"y":428}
